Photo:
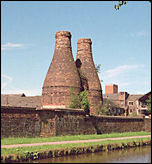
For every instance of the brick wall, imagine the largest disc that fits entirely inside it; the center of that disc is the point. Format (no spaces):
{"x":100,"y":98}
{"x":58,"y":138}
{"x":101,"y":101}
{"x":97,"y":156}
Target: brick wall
{"x":148,"y":124}
{"x":78,"y":124}
{"x":73,"y":123}
{"x":19,"y":122}
{"x":94,"y":89}
{"x":62,"y":74}
{"x":29,"y":122}
{"x":111,"y":89}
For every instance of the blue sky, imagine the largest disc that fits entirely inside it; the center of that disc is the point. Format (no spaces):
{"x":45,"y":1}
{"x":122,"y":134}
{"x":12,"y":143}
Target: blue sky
{"x":121,"y":42}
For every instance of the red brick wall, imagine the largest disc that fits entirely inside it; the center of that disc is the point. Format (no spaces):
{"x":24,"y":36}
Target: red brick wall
{"x":84,"y":54}
{"x":26,"y":122}
{"x":62,"y":74}
{"x":148,"y":124}
{"x":111,"y":89}
{"x":19,"y":122}
{"x":77,"y":124}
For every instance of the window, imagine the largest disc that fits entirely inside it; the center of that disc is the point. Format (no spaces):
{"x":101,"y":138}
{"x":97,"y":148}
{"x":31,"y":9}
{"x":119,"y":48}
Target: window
{"x":121,"y":102}
{"x":131,"y":103}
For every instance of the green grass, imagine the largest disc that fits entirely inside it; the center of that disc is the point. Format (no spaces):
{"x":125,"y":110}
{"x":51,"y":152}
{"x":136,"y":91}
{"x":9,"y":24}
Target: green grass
{"x":19,"y":140}
{"x":24,"y":150}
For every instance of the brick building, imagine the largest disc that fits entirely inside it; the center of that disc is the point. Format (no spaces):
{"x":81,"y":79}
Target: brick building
{"x":111,"y":88}
{"x":142,"y":103}
{"x":132,"y":103}
{"x":89,"y":79}
{"x":62,"y":74}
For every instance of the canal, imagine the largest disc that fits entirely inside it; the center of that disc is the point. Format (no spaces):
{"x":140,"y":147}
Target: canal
{"x":131,"y":155}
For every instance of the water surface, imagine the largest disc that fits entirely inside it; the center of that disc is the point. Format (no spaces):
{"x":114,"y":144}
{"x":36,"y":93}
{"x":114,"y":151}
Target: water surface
{"x":131,"y":155}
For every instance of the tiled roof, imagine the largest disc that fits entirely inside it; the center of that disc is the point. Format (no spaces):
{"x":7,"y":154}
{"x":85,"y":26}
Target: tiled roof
{"x":35,"y":101}
{"x":145,"y":97}
{"x":19,"y":101}
{"x":134,"y":97}
{"x":114,"y":96}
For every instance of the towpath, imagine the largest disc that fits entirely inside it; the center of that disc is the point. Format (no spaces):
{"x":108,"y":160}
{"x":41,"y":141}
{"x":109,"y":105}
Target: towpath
{"x":76,"y":141}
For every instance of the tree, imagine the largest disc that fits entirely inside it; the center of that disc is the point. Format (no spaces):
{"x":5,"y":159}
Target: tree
{"x":120,"y":3}
{"x":74,"y":99}
{"x":110,"y":108}
{"x":149,"y":105}
{"x":79,"y":101}
{"x":98,"y":68}
{"x":84,"y":102}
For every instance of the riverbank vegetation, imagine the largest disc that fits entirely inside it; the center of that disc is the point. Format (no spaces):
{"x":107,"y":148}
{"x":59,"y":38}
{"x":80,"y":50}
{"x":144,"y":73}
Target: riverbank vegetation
{"x":48,"y":151}
{"x":20,"y":140}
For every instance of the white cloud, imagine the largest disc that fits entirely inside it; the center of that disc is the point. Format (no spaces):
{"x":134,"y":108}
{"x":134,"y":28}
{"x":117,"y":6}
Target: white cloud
{"x":6,"y":88}
{"x":125,"y":76}
{"x":8,"y":46}
{"x":9,"y":80}
{"x":111,"y":73}
{"x":138,"y":34}
{"x":122,"y":84}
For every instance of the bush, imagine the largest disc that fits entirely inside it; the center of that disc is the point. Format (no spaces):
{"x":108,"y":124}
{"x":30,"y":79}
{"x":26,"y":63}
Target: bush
{"x":74,"y":100}
{"x":149,"y":105}
{"x":79,"y":101}
{"x":134,"y":114}
{"x":84,"y":101}
{"x":109,"y":108}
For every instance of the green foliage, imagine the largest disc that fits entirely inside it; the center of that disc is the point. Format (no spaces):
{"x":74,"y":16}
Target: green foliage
{"x":79,"y":101}
{"x":105,"y":111}
{"x":33,"y":155}
{"x":109,"y":108}
{"x":84,"y":101}
{"x":134,"y":143}
{"x":45,"y":148}
{"x":102,"y":111}
{"x":98,"y":68}
{"x":149,"y":105}
{"x":74,"y":100}
{"x":134,"y":114}
{"x":120,"y":3}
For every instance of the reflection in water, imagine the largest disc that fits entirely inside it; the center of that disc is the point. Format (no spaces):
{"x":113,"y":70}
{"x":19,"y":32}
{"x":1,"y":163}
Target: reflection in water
{"x":132,"y":155}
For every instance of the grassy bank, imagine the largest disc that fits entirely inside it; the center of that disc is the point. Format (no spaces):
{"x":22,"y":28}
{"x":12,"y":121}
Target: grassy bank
{"x":23,"y":150}
{"x":48,"y":151}
{"x":19,"y":140}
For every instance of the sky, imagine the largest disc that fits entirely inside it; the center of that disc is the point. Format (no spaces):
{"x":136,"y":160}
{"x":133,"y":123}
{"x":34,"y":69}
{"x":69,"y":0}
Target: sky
{"x":121,"y":42}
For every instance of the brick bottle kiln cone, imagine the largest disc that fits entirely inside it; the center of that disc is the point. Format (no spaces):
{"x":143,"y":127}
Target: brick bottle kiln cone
{"x":61,"y":76}
{"x":84,"y":54}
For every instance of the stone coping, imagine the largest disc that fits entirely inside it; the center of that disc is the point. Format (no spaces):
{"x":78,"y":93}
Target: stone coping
{"x":16,"y":107}
{"x":60,"y":109}
{"x":6,"y":107}
{"x":116,"y":117}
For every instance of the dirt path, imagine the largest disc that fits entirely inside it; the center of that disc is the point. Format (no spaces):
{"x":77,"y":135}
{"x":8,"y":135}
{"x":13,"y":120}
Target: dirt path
{"x":65,"y":142}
